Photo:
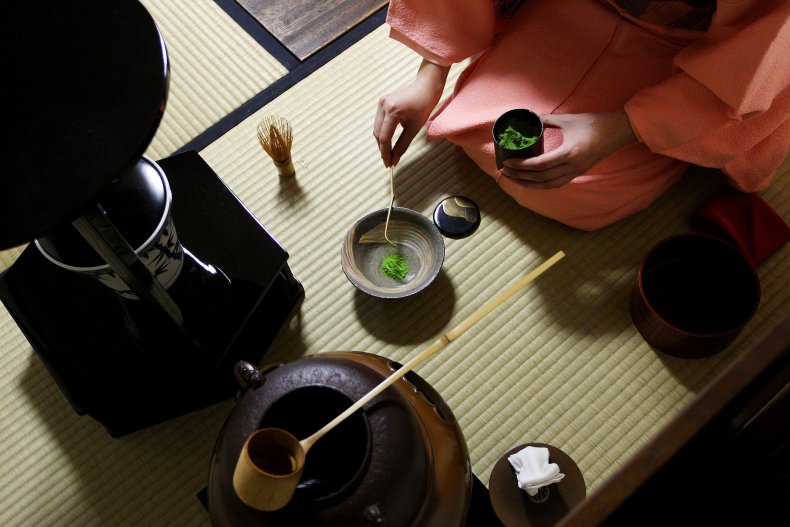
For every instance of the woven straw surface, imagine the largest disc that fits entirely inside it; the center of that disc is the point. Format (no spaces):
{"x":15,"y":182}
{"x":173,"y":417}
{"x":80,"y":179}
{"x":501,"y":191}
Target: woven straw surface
{"x":560,"y":363}
{"x":215,"y":66}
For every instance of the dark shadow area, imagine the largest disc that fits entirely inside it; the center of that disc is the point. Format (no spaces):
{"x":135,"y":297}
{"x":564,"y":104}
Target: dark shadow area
{"x":410,"y":320}
{"x":290,"y":192}
{"x":177,"y":452}
{"x":723,"y":460}
{"x":290,"y":332}
{"x":689,"y":371}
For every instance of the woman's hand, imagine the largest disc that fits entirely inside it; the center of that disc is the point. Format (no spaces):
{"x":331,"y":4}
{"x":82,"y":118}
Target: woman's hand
{"x":409,"y":107}
{"x":587,"y":138}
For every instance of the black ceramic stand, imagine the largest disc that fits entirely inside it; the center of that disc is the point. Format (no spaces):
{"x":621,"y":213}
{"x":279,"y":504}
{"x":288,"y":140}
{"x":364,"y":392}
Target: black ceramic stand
{"x":128,"y":379}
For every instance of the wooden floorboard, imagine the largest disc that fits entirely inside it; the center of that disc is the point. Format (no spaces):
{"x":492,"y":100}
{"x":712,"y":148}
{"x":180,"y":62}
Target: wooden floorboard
{"x":306,"y":26}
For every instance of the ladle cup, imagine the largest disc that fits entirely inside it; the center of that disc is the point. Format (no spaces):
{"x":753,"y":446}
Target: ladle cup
{"x":272,"y":460}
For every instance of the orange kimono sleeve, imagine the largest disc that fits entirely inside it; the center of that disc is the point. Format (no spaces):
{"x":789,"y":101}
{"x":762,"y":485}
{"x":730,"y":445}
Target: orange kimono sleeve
{"x":444,"y":32}
{"x":728,"y":103}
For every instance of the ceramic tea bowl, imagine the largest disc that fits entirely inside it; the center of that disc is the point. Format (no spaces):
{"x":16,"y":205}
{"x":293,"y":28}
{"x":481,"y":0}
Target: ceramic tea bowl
{"x":416,"y":239}
{"x":693,"y":294}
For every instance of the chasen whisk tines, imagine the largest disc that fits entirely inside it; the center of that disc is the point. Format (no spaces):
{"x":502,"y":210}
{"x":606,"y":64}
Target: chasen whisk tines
{"x":276,"y":138}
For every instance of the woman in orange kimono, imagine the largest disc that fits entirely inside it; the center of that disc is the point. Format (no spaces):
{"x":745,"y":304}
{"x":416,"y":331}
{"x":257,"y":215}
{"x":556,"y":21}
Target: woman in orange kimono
{"x":630,"y":91}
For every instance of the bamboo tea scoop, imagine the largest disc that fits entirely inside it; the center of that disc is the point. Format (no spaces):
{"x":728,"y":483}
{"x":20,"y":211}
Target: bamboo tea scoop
{"x":272,"y":460}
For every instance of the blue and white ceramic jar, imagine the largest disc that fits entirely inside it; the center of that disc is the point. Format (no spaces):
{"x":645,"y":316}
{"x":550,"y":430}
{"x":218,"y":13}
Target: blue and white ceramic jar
{"x":140,"y":208}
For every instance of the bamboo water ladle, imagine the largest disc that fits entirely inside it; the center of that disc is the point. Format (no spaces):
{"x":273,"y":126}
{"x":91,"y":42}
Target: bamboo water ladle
{"x":272,"y":460}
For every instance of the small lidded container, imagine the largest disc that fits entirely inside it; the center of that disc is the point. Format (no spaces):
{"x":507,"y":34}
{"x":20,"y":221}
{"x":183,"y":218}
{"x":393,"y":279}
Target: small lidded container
{"x":517,"y":133}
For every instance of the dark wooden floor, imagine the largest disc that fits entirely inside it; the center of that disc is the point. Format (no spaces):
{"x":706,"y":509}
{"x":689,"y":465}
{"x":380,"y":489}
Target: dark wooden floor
{"x":306,"y":26}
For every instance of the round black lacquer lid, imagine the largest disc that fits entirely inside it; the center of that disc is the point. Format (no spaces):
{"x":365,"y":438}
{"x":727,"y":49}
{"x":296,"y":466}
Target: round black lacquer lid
{"x":87,"y":85}
{"x":456,"y":217}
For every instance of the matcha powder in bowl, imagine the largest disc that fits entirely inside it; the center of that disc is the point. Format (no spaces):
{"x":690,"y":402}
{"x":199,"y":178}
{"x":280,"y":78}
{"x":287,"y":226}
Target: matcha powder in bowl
{"x":378,"y":268}
{"x":395,"y":266}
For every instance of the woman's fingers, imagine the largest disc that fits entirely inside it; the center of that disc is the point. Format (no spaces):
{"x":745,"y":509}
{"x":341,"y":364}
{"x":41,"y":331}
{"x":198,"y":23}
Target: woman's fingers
{"x":384,"y":128}
{"x":545,"y":161}
{"x":552,"y":178}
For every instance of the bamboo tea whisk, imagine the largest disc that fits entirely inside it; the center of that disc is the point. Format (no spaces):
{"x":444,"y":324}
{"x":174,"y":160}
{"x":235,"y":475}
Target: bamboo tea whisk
{"x":276,"y":138}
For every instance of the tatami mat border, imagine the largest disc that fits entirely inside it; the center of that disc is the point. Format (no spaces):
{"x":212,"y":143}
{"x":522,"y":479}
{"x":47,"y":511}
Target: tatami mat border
{"x":297,"y":71}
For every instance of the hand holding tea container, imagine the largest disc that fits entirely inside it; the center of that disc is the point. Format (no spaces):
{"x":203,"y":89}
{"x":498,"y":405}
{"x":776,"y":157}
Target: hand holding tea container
{"x":517,"y":134}
{"x":587,"y":139}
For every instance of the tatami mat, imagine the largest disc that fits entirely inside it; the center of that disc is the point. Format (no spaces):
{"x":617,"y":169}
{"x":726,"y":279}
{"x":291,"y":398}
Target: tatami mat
{"x":560,"y":363}
{"x":215,"y":66}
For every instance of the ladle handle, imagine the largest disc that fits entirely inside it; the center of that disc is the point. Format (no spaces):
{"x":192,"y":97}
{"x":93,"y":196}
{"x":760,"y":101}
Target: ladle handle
{"x":443,"y":341}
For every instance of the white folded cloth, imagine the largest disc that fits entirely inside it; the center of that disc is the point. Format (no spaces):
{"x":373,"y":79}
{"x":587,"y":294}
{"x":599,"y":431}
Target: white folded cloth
{"x":533,"y":469}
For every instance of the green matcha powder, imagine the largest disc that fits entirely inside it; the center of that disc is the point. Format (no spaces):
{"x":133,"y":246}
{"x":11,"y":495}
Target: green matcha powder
{"x":512,"y":139}
{"x":395,"y":266}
